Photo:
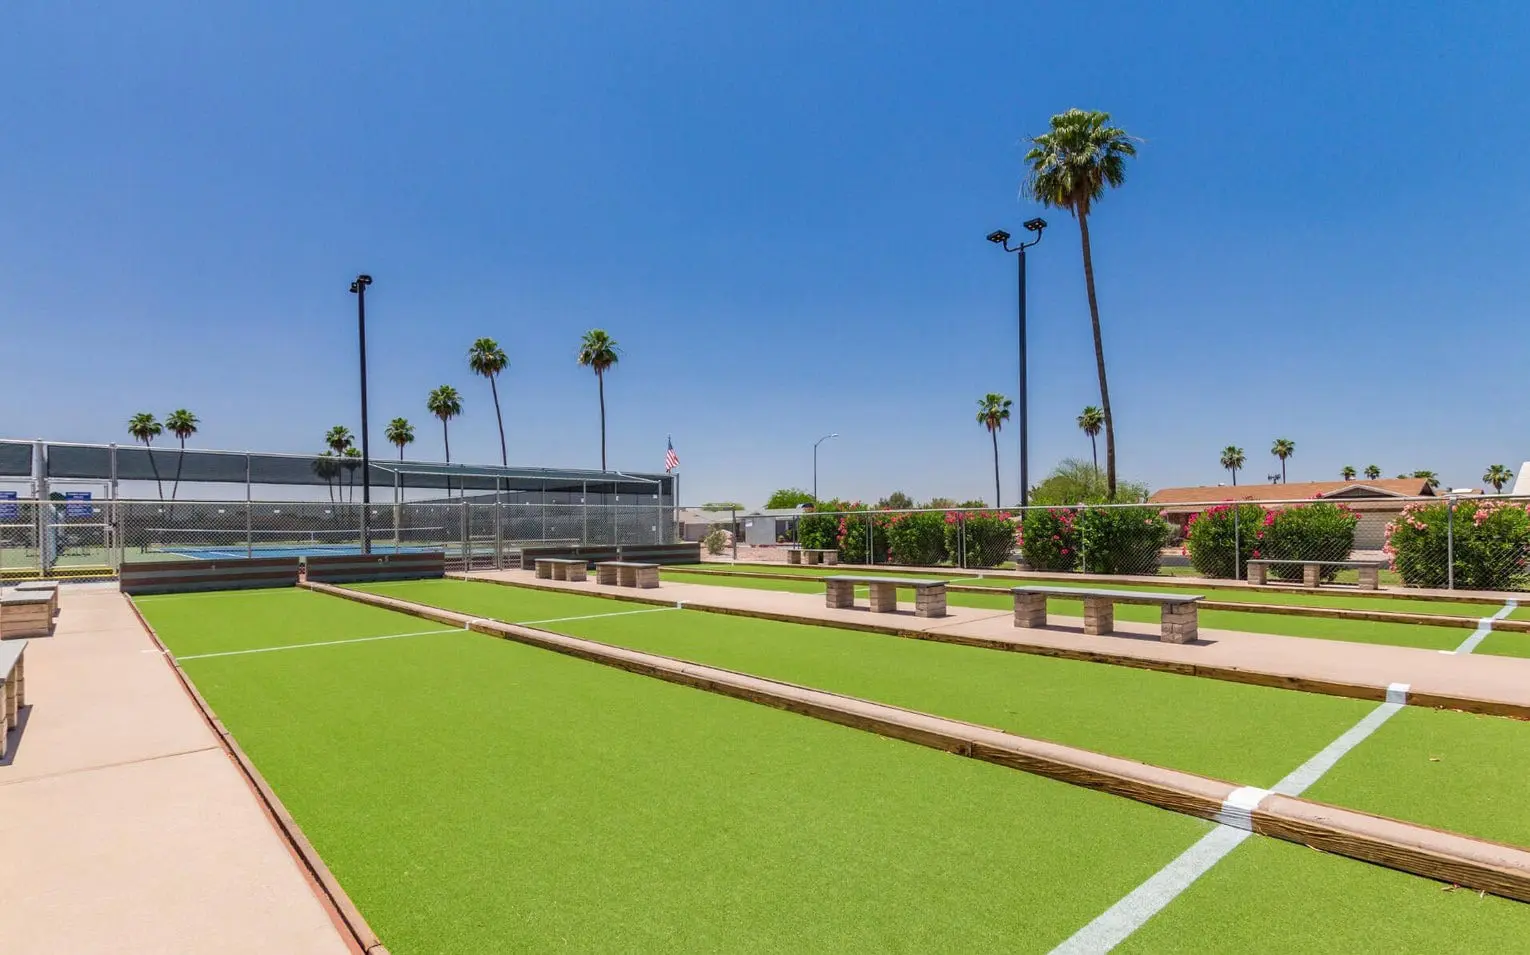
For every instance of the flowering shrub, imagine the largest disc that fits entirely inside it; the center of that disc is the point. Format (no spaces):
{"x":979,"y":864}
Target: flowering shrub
{"x":1049,"y":539}
{"x":1319,"y":531}
{"x":1491,"y":544}
{"x":979,"y":538}
{"x":1121,"y":540}
{"x":1215,"y":549}
{"x":820,"y":531}
{"x":856,"y":544}
{"x":918,"y":539}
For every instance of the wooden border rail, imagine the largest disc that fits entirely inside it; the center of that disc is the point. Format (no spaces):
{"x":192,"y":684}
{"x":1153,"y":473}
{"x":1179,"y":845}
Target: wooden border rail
{"x":180,"y":576}
{"x":356,"y":568}
{"x":1446,"y":856}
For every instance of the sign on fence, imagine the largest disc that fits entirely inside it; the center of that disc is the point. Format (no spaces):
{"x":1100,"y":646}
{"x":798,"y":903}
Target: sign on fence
{"x":9,"y":509}
{"x":77,"y":504}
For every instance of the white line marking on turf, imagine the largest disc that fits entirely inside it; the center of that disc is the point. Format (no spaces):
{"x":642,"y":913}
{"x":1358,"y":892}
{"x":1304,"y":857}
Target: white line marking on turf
{"x":1117,"y":923}
{"x":594,"y":616}
{"x":1484,"y":627}
{"x":323,"y":643}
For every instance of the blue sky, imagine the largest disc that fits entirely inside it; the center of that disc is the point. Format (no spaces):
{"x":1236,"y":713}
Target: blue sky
{"x":778,"y":210}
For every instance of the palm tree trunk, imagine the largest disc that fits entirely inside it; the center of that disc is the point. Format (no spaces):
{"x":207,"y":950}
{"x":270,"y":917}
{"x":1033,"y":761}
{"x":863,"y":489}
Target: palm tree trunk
{"x":1282,"y":470}
{"x":176,"y":487}
{"x":994,"y":433}
{"x":1099,"y":358}
{"x":446,"y":439}
{"x":1094,"y":452}
{"x":601,"y":379}
{"x":157,"y":482}
{"x":1235,"y":476}
{"x":504,"y":458}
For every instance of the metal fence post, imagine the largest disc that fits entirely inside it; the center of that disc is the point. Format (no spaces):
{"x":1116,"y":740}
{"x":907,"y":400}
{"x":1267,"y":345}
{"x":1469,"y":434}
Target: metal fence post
{"x":871,"y":558}
{"x":1237,"y":546}
{"x":1083,"y":551}
{"x":466,"y":549}
{"x":961,"y":536}
{"x":733,"y":512}
{"x":499,"y":531}
{"x":1450,"y":543}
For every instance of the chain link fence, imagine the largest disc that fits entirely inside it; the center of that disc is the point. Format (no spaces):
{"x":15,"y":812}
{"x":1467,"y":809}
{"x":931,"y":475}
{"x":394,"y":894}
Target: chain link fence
{"x":1479,"y":542}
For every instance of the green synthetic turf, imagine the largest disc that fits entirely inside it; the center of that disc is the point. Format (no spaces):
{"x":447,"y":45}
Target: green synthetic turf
{"x":1326,"y":628}
{"x":1499,"y":643}
{"x":1210,"y":727}
{"x":1239,"y":595}
{"x":476,"y":795}
{"x":1272,"y":896}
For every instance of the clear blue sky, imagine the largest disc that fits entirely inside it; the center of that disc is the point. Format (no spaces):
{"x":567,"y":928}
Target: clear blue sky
{"x":778,"y":210}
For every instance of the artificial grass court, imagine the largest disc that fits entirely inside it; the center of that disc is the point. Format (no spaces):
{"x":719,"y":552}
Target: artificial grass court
{"x":1245,"y":734}
{"x":1324,"y":628}
{"x":1338,"y":600}
{"x":474,"y":795}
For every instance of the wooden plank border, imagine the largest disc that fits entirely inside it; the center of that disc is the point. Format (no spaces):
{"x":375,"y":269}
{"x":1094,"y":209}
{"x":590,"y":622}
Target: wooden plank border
{"x":358,"y":568}
{"x":1498,"y":868}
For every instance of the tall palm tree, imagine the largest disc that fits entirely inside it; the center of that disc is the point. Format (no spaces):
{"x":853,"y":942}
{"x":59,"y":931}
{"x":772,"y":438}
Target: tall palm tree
{"x":1348,"y":473}
{"x":1283,"y":448}
{"x":598,"y":350}
{"x":143,"y":427}
{"x":324,"y":466}
{"x":446,"y":404}
{"x":1071,"y":166}
{"x":1372,"y":472}
{"x":1430,"y":478}
{"x":399,"y":433}
{"x":182,"y":424}
{"x":1090,"y":423}
{"x":1498,"y":475}
{"x":993,"y":411}
{"x":338,"y":438}
{"x":1232,"y":460}
{"x":352,"y":456}
{"x":486,"y":358}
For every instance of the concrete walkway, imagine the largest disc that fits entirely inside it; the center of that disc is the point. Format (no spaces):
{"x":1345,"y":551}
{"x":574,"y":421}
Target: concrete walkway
{"x":125,"y":825}
{"x":1478,"y":682}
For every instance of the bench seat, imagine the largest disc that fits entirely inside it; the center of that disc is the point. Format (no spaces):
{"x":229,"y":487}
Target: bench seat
{"x":26,"y":614}
{"x":13,"y":689}
{"x":1179,"y":613}
{"x":929,"y":595}
{"x":49,"y":587}
{"x":1312,"y":573}
{"x":626,"y":573}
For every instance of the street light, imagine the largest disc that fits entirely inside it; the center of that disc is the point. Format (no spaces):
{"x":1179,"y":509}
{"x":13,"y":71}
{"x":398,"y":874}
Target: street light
{"x":1001,"y":238}
{"x":815,"y":463}
{"x":359,"y":289}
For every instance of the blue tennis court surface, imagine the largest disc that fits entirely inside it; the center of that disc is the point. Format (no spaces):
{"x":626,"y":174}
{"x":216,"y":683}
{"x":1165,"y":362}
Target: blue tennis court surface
{"x":215,"y":552}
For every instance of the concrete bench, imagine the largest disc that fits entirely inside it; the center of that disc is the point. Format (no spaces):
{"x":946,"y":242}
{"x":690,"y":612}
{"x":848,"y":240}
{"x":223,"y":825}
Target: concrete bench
{"x":49,"y":587}
{"x":26,"y":614}
{"x":625,"y":573}
{"x":1312,"y":570}
{"x":562,"y":568}
{"x":812,"y":555}
{"x":13,"y":688}
{"x":1178,"y":623}
{"x":929,"y":595}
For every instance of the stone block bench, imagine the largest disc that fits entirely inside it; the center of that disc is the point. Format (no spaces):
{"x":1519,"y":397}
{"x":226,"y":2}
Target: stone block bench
{"x":929,"y":595}
{"x":812,"y":555}
{"x":49,"y":587}
{"x":13,"y":688}
{"x":26,"y":614}
{"x":1178,"y":624}
{"x":562,"y":568}
{"x":625,"y":573}
{"x":1312,"y":570}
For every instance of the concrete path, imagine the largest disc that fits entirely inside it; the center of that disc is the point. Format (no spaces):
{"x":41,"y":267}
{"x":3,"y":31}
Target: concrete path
{"x":1499,"y":684}
{"x":125,"y":825}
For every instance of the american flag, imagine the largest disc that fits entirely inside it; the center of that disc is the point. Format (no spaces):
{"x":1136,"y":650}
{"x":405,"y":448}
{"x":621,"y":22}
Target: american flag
{"x":671,"y":459}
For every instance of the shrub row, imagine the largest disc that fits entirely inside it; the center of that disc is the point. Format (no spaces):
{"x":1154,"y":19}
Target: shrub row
{"x":1094,"y":540}
{"x":1222,"y":539}
{"x":1486,"y":544}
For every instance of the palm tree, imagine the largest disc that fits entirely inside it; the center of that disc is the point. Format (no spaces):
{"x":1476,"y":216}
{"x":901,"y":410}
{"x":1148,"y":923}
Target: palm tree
{"x":1348,"y":473}
{"x":143,"y":427}
{"x":338,"y":438}
{"x":352,"y":456}
{"x":993,"y":411}
{"x":598,"y":350}
{"x":1372,"y":472}
{"x":1283,"y":448}
{"x":399,"y":432}
{"x":1232,"y":460}
{"x":1498,"y":475}
{"x":446,"y":404}
{"x":486,"y":358}
{"x":1090,"y":423}
{"x":182,"y":424}
{"x":1429,"y":478}
{"x":325,"y":467}
{"x":1071,"y":166}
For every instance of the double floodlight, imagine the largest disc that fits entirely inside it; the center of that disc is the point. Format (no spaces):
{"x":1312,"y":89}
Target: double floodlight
{"x":1031,"y":225}
{"x":362,"y":281}
{"x":999,"y":236}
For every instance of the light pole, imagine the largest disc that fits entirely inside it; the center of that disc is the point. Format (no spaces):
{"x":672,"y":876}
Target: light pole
{"x":1001,"y":238}
{"x":815,"y":462}
{"x":359,"y":289}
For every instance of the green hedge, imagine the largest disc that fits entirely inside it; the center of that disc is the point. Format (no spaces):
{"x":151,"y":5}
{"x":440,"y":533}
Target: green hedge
{"x":1318,"y":531}
{"x":979,"y":538}
{"x":918,"y":539}
{"x":1491,"y":545}
{"x":1120,"y":540}
{"x":1210,"y":539}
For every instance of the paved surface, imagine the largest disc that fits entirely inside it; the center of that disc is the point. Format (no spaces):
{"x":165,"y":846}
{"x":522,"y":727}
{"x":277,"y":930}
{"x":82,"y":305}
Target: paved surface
{"x":1490,"y":678}
{"x":124,"y":824}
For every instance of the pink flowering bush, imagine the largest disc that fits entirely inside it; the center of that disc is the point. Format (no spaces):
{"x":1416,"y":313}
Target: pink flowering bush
{"x":1491,"y":544}
{"x":1220,"y":540}
{"x":1049,"y":539}
{"x":980,"y":538}
{"x":861,"y":535}
{"x":918,"y":539}
{"x":1121,"y":540}
{"x":1322,"y":530}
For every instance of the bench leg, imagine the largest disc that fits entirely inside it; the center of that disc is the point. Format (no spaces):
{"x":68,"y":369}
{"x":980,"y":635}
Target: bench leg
{"x":884,"y":598}
{"x":647,"y":578}
{"x":811,"y":558}
{"x":1311,"y":575}
{"x":1099,"y":616}
{"x":1256,"y":574}
{"x":839,"y":595}
{"x":1031,"y":610}
{"x":794,"y":557}
{"x":544,"y":571}
{"x":1179,"y":623}
{"x":930,"y":601}
{"x":1370,"y":578}
{"x":578,"y":573}
{"x":605,"y":576}
{"x":832,"y":557}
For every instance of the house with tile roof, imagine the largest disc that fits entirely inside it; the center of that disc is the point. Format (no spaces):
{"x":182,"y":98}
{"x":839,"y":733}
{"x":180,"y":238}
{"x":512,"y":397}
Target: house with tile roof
{"x":1377,"y":502}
